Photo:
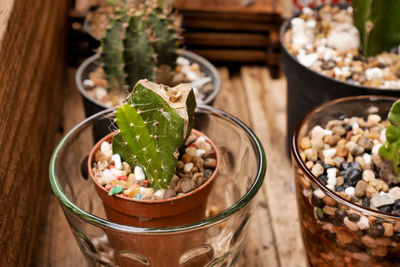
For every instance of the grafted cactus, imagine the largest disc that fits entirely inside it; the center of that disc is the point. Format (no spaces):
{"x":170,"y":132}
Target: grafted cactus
{"x":154,"y":122}
{"x":138,"y":41}
{"x":378,"y":22}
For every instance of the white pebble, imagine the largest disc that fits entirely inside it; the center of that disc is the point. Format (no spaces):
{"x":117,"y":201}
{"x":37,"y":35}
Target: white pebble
{"x":308,"y":60}
{"x":319,"y":193}
{"x":106,"y":149}
{"x":100,"y":93}
{"x":355,"y":126}
{"x":375,"y":149}
{"x":344,"y":36}
{"x":200,"y":152}
{"x":117,"y":172}
{"x":373,"y":73}
{"x":311,"y":23}
{"x":307,"y":192}
{"x":382,"y":136}
{"x":363,"y":223}
{"x":108,"y":176}
{"x":367,"y":158}
{"x":159,"y":193}
{"x":188,"y":167}
{"x":87,"y":83}
{"x":350,"y":191}
{"x":331,"y":172}
{"x":117,"y":161}
{"x":139,"y":174}
{"x":183,"y":61}
{"x":381,"y":200}
{"x":337,"y":71}
{"x":329,"y":153}
{"x":331,"y":186}
{"x":308,"y":11}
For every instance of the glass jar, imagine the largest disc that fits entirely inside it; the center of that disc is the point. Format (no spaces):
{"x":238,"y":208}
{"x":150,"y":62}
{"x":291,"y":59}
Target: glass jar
{"x":373,"y":237}
{"x":216,"y":240}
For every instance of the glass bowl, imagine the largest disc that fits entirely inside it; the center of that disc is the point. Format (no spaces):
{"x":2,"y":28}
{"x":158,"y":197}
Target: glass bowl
{"x":217,"y":240}
{"x":372,"y":238}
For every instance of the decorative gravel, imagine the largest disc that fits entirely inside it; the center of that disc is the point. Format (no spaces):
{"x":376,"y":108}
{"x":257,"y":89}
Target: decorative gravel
{"x":327,"y":42}
{"x":196,"y":164}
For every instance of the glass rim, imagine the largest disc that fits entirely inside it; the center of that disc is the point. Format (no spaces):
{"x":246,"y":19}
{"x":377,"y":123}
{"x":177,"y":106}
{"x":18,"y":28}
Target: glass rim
{"x":97,"y":221}
{"x":307,"y":172}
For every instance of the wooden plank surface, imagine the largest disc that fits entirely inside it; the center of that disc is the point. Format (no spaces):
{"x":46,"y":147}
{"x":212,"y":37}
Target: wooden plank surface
{"x":257,"y":6}
{"x":250,"y":94}
{"x":32,"y":45}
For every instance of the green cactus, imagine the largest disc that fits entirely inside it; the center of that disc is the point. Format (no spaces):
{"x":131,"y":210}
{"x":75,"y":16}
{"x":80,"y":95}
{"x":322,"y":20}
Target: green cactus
{"x":391,"y":148}
{"x":112,"y":56}
{"x":137,"y":43}
{"x":154,"y":122}
{"x":378,"y":22}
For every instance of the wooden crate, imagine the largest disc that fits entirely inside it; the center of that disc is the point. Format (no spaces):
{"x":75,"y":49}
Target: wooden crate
{"x":229,"y":31}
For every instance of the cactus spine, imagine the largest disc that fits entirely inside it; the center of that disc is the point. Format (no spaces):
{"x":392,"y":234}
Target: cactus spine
{"x":137,"y":42}
{"x":154,"y":122}
{"x":378,"y":23}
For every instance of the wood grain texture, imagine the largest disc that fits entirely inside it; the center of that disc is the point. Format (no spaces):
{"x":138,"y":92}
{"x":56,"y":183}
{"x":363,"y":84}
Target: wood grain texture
{"x":32,"y":44}
{"x":267,"y":103}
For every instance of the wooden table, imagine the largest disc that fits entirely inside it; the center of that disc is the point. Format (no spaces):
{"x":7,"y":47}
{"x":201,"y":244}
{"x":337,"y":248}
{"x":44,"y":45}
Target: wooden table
{"x":274,"y":239}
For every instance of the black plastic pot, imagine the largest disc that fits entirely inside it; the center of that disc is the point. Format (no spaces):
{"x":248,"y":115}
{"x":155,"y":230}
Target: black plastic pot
{"x":92,"y":106}
{"x":307,"y":89}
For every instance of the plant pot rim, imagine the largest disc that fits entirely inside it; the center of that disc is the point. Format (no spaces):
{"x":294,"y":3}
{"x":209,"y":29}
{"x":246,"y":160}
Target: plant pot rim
{"x":154,"y":201}
{"x":297,"y":158}
{"x":90,"y":218}
{"x":215,"y":78}
{"x":285,"y":26}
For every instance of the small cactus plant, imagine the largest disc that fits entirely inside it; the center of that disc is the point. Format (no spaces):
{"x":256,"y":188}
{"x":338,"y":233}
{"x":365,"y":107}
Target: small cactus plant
{"x":153,"y":123}
{"x":378,"y":22}
{"x":390,"y":150}
{"x":138,"y":43}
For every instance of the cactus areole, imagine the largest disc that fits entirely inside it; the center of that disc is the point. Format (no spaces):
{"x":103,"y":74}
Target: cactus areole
{"x":153,"y":123}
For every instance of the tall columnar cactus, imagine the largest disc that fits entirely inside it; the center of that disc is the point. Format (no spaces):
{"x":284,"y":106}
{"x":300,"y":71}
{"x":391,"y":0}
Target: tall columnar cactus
{"x":137,"y":42}
{"x":378,"y":22}
{"x":154,"y":122}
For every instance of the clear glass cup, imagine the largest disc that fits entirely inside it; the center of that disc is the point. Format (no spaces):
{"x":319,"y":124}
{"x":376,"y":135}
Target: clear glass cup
{"x":374,"y":237}
{"x":218,"y":240}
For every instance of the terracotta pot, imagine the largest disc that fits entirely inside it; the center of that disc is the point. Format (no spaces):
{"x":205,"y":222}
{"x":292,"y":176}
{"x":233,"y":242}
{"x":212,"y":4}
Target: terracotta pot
{"x":179,"y":210}
{"x":165,"y":250}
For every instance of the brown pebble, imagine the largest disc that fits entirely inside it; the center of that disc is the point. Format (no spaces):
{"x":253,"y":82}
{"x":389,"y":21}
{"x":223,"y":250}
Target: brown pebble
{"x":210,"y":163}
{"x":174,"y":181}
{"x":186,"y":158}
{"x":340,"y":181}
{"x":305,"y":143}
{"x":378,"y":251}
{"x":99,"y":156}
{"x":180,"y":165}
{"x":365,"y":142}
{"x":388,"y":229}
{"x":209,"y":154}
{"x":338,"y":130}
{"x":186,"y":185}
{"x":329,"y":210}
{"x":169,"y":193}
{"x":341,"y":149}
{"x":332,"y":140}
{"x":329,"y":201}
{"x":207,"y":173}
{"x":383,"y":241}
{"x":360,"y":188}
{"x":369,"y":241}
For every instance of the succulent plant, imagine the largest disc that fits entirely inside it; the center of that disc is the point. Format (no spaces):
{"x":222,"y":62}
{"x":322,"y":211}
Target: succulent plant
{"x":153,"y":123}
{"x":390,"y":150}
{"x":138,"y":42}
{"x":378,"y":22}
